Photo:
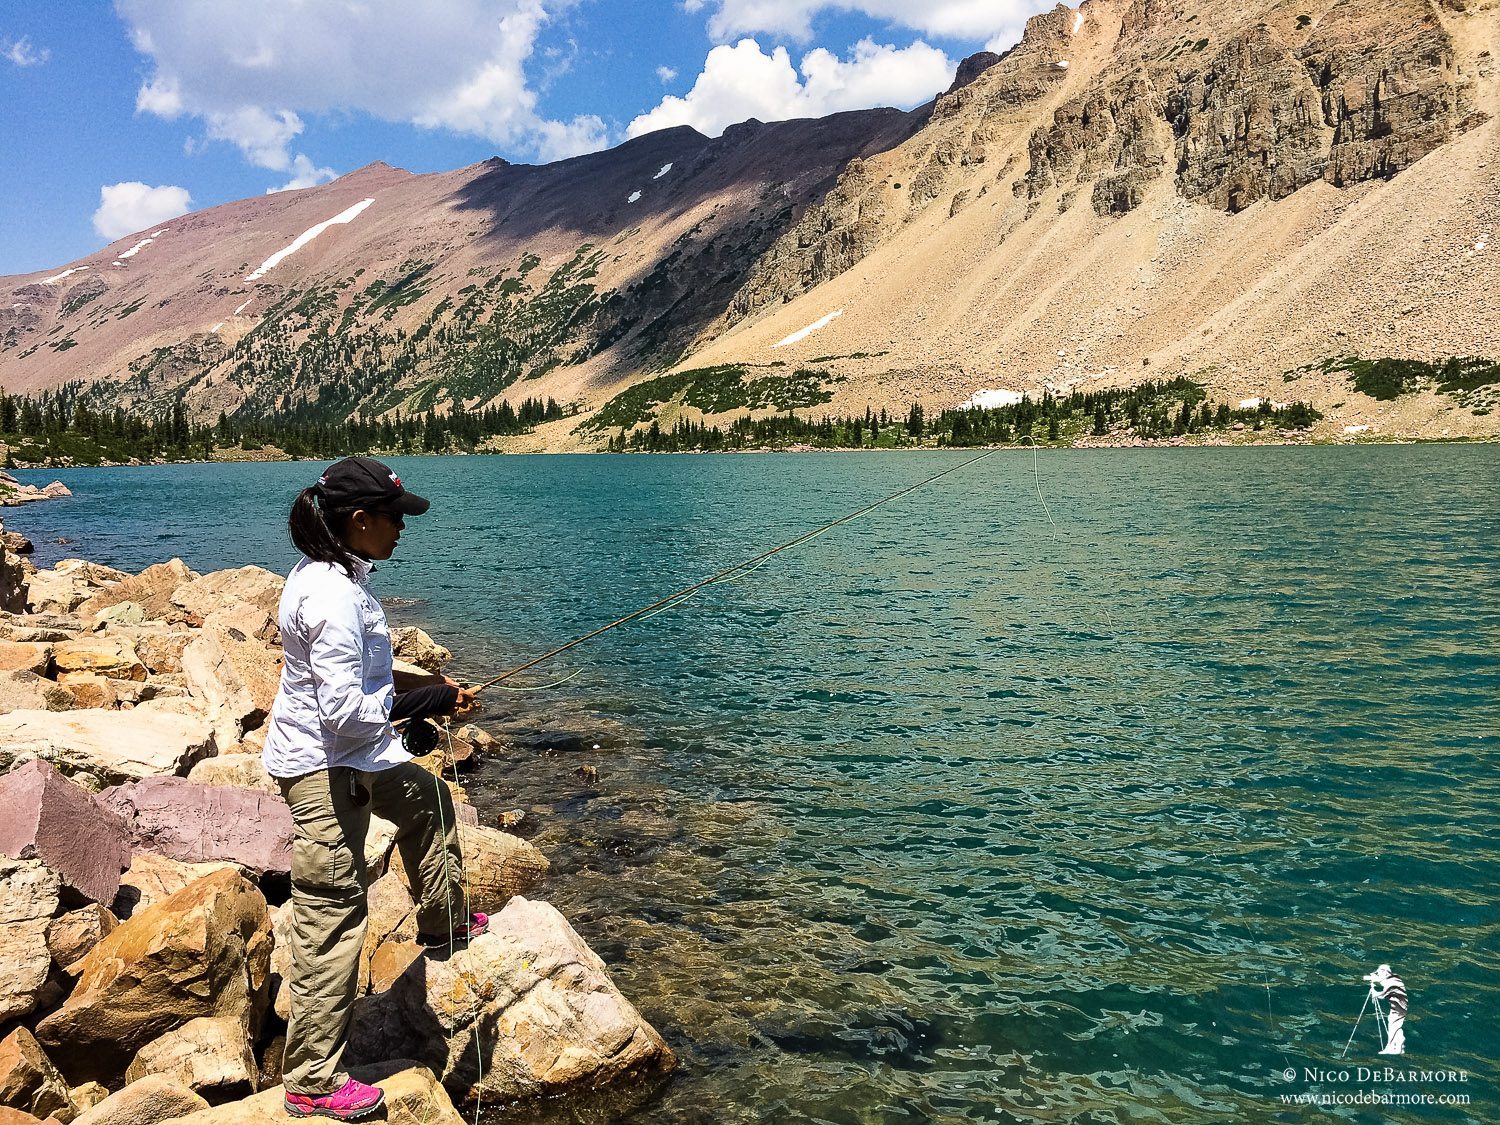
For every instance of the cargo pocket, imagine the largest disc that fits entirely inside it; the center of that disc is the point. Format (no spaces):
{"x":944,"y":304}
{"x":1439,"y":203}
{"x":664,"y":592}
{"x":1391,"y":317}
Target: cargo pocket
{"x":322,"y":866}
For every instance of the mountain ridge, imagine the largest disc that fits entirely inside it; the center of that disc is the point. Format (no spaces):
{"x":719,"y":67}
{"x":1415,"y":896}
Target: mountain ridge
{"x":1107,"y":202}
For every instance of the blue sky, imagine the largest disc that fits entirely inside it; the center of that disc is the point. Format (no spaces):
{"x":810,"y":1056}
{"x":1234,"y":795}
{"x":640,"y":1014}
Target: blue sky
{"x":117,"y":116}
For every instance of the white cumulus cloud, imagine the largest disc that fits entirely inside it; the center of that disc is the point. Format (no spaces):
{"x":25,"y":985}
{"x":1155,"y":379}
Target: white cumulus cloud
{"x":999,"y":21}
{"x":22,"y":53}
{"x":254,"y":72}
{"x":305,"y":174}
{"x":743,"y":81}
{"x":665,"y":74}
{"x":133,"y":206}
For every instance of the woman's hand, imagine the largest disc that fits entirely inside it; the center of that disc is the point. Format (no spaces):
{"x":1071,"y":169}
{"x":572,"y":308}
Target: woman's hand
{"x":467,"y":703}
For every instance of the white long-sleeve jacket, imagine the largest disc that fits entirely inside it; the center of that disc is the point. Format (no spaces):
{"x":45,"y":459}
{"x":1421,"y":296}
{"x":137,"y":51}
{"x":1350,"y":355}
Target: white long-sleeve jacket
{"x":334,"y":704}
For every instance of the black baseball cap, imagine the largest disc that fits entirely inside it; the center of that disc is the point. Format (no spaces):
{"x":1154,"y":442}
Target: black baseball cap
{"x":362,"y":482}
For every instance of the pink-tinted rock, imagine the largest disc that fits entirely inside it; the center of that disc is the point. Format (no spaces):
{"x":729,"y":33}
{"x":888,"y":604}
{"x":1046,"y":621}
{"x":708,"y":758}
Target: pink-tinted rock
{"x":45,"y":816}
{"x":194,"y":823}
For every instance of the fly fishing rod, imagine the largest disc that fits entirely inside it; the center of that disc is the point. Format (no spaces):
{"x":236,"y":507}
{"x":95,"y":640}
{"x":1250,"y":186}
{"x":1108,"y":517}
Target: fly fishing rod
{"x":746,"y":566}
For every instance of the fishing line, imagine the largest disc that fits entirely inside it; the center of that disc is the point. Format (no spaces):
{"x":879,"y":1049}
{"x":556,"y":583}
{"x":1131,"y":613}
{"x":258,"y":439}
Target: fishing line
{"x":1271,"y":1021}
{"x":541,"y":687}
{"x":679,"y":596}
{"x":1037,"y":477}
{"x":463,"y":876}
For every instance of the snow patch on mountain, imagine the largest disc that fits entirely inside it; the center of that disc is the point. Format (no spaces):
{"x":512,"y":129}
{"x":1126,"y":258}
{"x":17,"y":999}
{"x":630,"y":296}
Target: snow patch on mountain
{"x":992,"y":399}
{"x":55,"y":278}
{"x":804,"y":333}
{"x":348,"y":215}
{"x":141,"y":245}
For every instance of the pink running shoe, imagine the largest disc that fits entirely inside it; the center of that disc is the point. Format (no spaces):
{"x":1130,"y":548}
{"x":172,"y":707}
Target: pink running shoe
{"x":352,"y":1101}
{"x":477,"y":924}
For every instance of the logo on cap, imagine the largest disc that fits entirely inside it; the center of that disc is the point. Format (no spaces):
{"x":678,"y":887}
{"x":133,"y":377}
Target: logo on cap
{"x":396,"y":481}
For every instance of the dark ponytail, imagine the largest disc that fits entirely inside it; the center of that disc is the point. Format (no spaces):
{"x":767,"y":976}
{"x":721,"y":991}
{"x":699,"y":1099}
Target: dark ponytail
{"x":316,"y":535}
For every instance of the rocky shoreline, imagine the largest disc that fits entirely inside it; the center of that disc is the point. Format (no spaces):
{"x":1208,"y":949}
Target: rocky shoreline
{"x":14,"y":493}
{"x":144,"y":879}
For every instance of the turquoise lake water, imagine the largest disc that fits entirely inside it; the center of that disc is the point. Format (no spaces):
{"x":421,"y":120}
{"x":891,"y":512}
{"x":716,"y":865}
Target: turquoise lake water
{"x":952,"y":816}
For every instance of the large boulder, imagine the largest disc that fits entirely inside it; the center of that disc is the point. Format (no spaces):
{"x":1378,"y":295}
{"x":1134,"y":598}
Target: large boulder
{"x":391,"y":915}
{"x":69,"y":584}
{"x":496,"y":866}
{"x":416,"y":647}
{"x":193,"y":823}
{"x":91,"y":690}
{"x":71,"y":936}
{"x":28,"y":1080}
{"x":39,"y":628}
{"x":87,"y":1095}
{"x":30,"y":895}
{"x":152,"y":878}
{"x":236,"y":677}
{"x":160,"y":649}
{"x":209,"y":1056}
{"x":23,"y":656}
{"x":26,"y":691}
{"x":45,"y":816}
{"x":152,"y":590}
{"x":15,"y":542}
{"x":14,"y":587}
{"x":111,"y":656}
{"x":149,"y":1101}
{"x":239,"y":771}
{"x":391,"y":960}
{"x":525,"y":1011}
{"x":412,"y":1097}
{"x":224,"y":589}
{"x":205,"y":951}
{"x":13,"y":593}
{"x":116,"y":745}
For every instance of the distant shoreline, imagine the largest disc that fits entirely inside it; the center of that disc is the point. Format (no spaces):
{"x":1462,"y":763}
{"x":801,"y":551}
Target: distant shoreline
{"x":1142,"y":444}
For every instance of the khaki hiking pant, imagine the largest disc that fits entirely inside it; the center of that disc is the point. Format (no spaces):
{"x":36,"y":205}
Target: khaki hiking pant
{"x":331,"y":811}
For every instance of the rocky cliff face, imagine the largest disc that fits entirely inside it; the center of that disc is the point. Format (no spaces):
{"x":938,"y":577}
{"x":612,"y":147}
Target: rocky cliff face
{"x":1262,"y":103}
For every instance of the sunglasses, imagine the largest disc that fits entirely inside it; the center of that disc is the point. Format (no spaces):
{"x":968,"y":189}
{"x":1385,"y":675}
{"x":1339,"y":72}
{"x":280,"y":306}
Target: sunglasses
{"x":395,"y":517}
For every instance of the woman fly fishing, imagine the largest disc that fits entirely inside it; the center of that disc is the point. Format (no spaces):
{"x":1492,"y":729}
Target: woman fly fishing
{"x":331,"y":747}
